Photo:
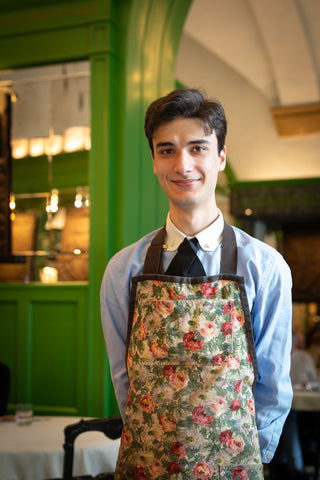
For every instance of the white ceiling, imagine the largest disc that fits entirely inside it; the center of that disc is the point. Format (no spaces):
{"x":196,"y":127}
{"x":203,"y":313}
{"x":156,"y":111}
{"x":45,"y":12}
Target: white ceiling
{"x":253,"y":55}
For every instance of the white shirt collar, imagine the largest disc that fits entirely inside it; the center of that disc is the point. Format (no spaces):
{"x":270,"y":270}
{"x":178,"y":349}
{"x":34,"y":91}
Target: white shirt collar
{"x":209,"y":238}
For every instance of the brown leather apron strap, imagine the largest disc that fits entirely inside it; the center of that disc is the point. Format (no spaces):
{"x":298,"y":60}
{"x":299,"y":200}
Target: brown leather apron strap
{"x":154,"y":258}
{"x":229,"y":252}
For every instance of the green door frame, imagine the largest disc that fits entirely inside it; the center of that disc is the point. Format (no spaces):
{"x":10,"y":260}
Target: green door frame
{"x":93,"y":30}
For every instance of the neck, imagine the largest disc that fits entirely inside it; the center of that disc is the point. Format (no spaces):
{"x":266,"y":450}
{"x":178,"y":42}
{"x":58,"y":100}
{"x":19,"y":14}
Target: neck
{"x":190,"y":223}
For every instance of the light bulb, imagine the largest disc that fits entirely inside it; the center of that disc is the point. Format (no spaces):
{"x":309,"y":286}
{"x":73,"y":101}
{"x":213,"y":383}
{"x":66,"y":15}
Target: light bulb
{"x":36,"y":147}
{"x":12,"y":203}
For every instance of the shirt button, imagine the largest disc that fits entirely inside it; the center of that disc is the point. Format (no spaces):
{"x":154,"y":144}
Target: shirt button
{"x":269,"y":455}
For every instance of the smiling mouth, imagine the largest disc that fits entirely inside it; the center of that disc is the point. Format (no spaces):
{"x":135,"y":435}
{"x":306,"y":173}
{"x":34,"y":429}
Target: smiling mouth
{"x":184,"y":183}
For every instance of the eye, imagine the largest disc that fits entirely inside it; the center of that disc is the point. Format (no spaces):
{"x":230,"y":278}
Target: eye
{"x":198,"y":148}
{"x":166,"y":151}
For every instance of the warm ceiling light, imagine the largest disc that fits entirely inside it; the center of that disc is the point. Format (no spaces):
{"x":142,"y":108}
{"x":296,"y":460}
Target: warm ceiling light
{"x":36,"y":147}
{"x":20,"y":147}
{"x":75,"y":139}
{"x":54,"y":144}
{"x":13,"y":97}
{"x":87,"y":143}
{"x":12,"y":202}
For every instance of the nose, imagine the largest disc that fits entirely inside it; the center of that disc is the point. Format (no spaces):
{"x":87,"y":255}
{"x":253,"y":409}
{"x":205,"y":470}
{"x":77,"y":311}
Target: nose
{"x":183,"y":162}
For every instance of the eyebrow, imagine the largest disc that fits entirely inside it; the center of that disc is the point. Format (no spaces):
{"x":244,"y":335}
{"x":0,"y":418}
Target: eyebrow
{"x":192,"y":142}
{"x":164,"y":144}
{"x":200,"y":140}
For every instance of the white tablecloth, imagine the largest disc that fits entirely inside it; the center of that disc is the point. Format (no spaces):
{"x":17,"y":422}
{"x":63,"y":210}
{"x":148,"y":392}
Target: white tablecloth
{"x":35,"y":452}
{"x":306,"y":400}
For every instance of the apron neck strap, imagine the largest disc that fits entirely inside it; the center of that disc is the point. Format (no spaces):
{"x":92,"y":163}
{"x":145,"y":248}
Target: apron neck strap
{"x":229,"y":253}
{"x":154,"y":258}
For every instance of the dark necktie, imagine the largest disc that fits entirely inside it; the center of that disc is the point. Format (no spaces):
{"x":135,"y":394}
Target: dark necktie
{"x":186,"y":262}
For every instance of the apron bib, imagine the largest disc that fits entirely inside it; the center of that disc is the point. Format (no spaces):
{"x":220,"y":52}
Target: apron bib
{"x":192,"y":369}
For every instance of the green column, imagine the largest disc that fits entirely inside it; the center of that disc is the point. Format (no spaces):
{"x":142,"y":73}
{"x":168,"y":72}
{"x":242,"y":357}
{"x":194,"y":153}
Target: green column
{"x":125,"y":198}
{"x":105,"y":205}
{"x":154,"y":33}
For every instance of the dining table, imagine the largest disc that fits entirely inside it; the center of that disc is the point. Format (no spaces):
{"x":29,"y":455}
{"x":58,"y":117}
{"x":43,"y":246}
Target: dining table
{"x":35,"y":451}
{"x":306,"y":397}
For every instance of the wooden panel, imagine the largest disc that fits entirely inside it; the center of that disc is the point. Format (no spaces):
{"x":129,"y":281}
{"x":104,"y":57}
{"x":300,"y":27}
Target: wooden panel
{"x":75,"y":235}
{"x":8,"y":340}
{"x":53,"y":358}
{"x":297,"y":200}
{"x":297,"y":120}
{"x":24,"y":237}
{"x":301,"y":251}
{"x":44,"y":340}
{"x":5,"y":175}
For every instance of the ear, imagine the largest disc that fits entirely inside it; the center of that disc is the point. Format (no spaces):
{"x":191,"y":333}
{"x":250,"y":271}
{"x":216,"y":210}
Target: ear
{"x":222,"y":159}
{"x":153,"y":162}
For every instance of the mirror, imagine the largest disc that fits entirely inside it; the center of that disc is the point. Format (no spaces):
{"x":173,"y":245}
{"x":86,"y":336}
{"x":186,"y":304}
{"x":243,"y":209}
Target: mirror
{"x":49,"y":194}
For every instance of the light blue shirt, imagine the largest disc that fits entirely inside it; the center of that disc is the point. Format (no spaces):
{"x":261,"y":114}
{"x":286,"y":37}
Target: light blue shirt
{"x":268,"y":287}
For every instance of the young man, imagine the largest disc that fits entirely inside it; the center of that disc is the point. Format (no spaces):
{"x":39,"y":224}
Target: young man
{"x":200,"y":361}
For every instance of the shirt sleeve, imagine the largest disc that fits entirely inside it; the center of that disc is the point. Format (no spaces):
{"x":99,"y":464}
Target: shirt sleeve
{"x":272,"y":330}
{"x":114,"y":298}
{"x":114,"y":305}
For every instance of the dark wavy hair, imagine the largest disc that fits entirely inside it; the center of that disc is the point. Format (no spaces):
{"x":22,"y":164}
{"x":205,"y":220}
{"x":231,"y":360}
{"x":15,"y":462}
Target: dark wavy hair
{"x":186,"y":103}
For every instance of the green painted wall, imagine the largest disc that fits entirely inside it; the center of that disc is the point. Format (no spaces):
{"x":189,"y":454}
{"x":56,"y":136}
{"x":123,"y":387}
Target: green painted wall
{"x":132,"y":46}
{"x":44,"y":330}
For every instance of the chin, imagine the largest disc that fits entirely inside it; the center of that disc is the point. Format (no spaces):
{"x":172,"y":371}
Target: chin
{"x":184,"y":204}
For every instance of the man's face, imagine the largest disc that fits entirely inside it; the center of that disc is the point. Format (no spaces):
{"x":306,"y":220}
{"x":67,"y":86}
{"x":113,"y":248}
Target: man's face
{"x":187,"y":163}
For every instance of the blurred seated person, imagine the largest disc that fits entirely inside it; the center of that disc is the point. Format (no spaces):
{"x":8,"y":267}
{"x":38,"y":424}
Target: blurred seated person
{"x":303,"y":369}
{"x":289,"y":459}
{"x":4,"y":388}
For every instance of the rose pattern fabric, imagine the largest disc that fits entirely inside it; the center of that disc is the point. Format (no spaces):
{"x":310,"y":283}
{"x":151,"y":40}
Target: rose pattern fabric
{"x":190,"y":410}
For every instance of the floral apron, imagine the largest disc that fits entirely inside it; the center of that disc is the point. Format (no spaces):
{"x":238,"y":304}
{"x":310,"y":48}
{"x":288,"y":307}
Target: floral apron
{"x":192,"y":370}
